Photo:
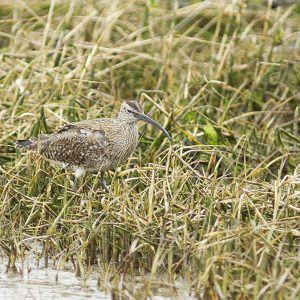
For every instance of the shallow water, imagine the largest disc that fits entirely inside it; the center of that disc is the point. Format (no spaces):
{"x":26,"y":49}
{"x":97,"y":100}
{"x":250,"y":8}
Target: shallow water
{"x":40,"y":283}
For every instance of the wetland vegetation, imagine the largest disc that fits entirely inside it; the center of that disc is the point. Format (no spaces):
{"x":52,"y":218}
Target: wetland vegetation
{"x":218,"y":209}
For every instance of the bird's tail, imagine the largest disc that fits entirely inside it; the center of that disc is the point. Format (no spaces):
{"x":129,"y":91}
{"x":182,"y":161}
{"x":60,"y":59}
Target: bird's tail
{"x":29,"y":144}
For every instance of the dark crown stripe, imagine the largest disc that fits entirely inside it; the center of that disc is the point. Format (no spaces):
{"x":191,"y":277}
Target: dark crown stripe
{"x":134,"y":105}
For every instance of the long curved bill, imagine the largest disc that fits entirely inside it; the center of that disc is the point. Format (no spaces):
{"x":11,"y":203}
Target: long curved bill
{"x":151,"y":121}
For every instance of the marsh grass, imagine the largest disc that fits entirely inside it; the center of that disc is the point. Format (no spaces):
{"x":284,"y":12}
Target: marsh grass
{"x":224,"y":216}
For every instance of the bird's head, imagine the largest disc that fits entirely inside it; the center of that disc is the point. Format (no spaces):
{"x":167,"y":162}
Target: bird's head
{"x":132,"y":111}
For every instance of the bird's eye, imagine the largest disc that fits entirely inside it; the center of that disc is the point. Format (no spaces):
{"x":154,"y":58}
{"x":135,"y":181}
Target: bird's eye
{"x":129,"y":110}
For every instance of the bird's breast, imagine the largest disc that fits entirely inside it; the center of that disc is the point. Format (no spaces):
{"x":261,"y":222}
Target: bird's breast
{"x":128,"y":140}
{"x":120,"y":144}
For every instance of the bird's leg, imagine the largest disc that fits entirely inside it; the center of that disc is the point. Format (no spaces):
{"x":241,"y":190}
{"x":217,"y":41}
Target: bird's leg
{"x":103,"y":183}
{"x":75,"y":185}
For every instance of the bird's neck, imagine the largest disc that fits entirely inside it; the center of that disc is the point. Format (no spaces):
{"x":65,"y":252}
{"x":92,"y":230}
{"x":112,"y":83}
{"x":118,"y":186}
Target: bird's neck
{"x":129,"y":126}
{"x":125,"y":119}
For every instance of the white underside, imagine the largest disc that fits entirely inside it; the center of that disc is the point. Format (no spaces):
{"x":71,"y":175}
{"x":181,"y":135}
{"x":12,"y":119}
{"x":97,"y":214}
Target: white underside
{"x":79,"y":171}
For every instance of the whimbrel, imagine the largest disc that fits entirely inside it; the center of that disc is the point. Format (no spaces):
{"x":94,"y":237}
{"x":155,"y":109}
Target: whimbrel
{"x":95,"y":145}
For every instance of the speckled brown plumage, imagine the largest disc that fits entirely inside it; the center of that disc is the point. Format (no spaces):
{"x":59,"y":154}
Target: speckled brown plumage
{"x":93,"y":145}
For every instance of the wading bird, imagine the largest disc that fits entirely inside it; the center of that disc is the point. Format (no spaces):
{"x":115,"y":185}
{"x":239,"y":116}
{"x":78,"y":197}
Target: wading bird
{"x":94,"y":145}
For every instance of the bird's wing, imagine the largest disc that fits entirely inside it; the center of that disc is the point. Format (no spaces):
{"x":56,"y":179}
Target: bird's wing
{"x":94,"y":124}
{"x":74,"y":145}
{"x":66,"y":127}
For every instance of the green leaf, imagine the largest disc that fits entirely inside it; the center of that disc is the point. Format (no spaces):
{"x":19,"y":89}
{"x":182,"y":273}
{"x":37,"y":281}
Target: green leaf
{"x":152,"y":3}
{"x":211,"y":135}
